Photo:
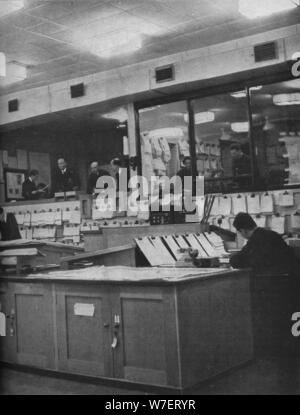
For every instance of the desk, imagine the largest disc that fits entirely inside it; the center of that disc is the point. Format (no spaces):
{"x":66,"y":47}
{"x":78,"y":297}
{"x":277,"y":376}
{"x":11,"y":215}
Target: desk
{"x":163,"y":327}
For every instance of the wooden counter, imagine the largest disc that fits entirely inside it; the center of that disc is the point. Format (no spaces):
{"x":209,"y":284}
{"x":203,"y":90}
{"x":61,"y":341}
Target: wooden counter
{"x":171,"y":328}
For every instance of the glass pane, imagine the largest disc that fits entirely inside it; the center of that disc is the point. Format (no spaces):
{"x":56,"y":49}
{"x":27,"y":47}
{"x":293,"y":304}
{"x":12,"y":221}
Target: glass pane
{"x":222,"y":141}
{"x":276,"y":133}
{"x":164,"y":139}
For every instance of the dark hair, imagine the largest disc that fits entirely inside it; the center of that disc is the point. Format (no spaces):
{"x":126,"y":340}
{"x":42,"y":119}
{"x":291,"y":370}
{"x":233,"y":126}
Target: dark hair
{"x":33,"y":173}
{"x":236,"y":146}
{"x":186,"y":158}
{"x":1,"y":210}
{"x":244,"y":221}
{"x":116,"y":162}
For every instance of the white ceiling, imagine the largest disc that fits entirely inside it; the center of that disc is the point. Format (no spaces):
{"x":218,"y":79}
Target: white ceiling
{"x":47,"y":35}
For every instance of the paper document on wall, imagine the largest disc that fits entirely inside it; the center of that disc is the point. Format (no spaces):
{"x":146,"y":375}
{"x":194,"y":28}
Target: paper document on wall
{"x":239,"y":204}
{"x":260,"y":221}
{"x":225,"y":205}
{"x":2,"y":325}
{"x":295,"y":221}
{"x":286,"y":199}
{"x":253,"y":203}
{"x":75,"y":217}
{"x":277,"y":224}
{"x":266,"y":203}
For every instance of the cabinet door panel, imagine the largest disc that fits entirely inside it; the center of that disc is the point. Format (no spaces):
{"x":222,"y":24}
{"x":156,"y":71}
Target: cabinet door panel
{"x":146,"y":340}
{"x":8,"y":342}
{"x":33,"y":324}
{"x":83,"y":323}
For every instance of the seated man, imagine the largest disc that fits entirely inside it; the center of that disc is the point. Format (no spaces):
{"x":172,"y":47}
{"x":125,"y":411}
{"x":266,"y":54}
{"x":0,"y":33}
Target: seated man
{"x":241,"y":165}
{"x":265,"y":251}
{"x":30,"y":191}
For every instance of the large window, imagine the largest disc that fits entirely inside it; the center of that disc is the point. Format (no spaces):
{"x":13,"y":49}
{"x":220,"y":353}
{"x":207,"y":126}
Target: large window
{"x":221,"y":136}
{"x":276,"y":132}
{"x":241,"y":140}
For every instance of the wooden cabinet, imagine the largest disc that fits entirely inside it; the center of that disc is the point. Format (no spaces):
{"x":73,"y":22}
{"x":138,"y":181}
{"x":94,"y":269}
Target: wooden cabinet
{"x":162,"y":333}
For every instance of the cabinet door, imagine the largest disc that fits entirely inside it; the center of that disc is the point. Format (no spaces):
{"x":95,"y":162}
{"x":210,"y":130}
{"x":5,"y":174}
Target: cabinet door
{"x":83,"y":327}
{"x":144,"y":335}
{"x":7,"y":342}
{"x":33,"y":324}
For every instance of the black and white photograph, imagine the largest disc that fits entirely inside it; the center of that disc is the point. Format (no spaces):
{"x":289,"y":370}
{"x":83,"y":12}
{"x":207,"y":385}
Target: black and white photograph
{"x":150,"y":200}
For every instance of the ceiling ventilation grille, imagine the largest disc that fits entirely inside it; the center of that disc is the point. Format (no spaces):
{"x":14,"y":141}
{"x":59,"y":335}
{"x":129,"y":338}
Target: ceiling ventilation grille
{"x":265,"y":52}
{"x":165,"y":74}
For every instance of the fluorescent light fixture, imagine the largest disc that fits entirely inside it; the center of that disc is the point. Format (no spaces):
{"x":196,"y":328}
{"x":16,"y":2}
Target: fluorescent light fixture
{"x":2,"y":64}
{"x":201,"y":117}
{"x":240,"y":127}
{"x":287,"y":99}
{"x":243,"y":94}
{"x":168,"y":132}
{"x":120,"y":114}
{"x":10,"y":6}
{"x":253,"y":9}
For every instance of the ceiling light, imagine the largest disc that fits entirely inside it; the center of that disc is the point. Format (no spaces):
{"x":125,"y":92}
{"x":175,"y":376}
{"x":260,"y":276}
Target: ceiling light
{"x":10,"y":6}
{"x":114,"y":43}
{"x":2,"y":64}
{"x":240,"y":127}
{"x":261,"y":8}
{"x":287,"y":99}
{"x":201,"y":117}
{"x":239,"y":94}
{"x":120,"y":114}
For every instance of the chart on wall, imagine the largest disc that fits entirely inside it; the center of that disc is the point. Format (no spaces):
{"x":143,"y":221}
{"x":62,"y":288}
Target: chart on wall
{"x":14,"y":180}
{"x":41,"y":162}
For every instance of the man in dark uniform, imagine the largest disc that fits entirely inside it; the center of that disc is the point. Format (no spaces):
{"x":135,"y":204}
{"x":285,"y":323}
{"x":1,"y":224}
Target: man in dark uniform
{"x":265,"y":251}
{"x":94,"y":175}
{"x":241,"y":165}
{"x":65,"y":179}
{"x":30,"y":190}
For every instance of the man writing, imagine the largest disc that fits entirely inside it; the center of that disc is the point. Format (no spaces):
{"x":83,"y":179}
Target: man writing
{"x":265,"y":251}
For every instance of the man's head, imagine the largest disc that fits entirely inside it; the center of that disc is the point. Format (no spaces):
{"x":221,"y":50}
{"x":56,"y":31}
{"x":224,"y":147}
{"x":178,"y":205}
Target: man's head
{"x":61,"y":163}
{"x":187,"y":163}
{"x":236,"y":151}
{"x":94,"y":167}
{"x":34,"y":174}
{"x":116,"y":163}
{"x":244,"y":224}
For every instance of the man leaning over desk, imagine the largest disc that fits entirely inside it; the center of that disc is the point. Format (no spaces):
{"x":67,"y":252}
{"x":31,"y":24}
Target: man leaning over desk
{"x":265,"y":251}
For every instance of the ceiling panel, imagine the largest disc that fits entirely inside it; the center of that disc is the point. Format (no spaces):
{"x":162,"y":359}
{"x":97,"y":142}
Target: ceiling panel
{"x":53,"y":37}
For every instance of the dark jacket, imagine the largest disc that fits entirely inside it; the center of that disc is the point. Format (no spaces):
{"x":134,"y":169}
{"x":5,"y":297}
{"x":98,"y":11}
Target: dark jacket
{"x":28,"y":187}
{"x":92,"y":180}
{"x":9,"y":230}
{"x":266,"y":252}
{"x":65,"y":182}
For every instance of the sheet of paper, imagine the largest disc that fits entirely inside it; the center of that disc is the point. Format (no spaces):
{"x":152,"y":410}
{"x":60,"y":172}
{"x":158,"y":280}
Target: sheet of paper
{"x":66,"y":215}
{"x":195,"y":244}
{"x":58,"y":217}
{"x":2,"y":324}
{"x":260,"y":221}
{"x":277,"y":224}
{"x":84,"y":310}
{"x":295,"y":221}
{"x":239,"y":204}
{"x":75,"y":217}
{"x":286,"y":199}
{"x":253,"y":203}
{"x":170,"y":241}
{"x":163,"y":251}
{"x":267,"y":203}
{"x":206,"y":245}
{"x":225,"y":205}
{"x":150,"y":252}
{"x":181,"y":241}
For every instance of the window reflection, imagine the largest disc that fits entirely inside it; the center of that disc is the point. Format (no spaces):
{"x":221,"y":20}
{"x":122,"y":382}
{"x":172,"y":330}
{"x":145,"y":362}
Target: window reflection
{"x":276,"y":133}
{"x":222,"y":141}
{"x":164,"y":139}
